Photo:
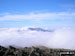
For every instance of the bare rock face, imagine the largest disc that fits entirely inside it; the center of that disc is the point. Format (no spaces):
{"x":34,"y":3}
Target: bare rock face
{"x":32,"y":51}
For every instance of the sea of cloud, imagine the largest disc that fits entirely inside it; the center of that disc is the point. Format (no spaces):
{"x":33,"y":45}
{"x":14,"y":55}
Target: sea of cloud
{"x":23,"y":37}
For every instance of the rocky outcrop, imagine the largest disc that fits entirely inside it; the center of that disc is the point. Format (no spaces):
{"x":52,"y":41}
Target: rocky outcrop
{"x":31,"y":51}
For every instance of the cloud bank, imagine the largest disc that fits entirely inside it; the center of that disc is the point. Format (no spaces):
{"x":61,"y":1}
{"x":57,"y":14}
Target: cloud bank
{"x":23,"y":37}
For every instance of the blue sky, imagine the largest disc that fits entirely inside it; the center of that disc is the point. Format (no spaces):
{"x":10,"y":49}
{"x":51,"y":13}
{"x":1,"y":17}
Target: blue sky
{"x":41,"y":13}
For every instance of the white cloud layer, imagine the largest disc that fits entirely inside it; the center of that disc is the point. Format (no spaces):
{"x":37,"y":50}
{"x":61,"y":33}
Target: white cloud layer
{"x":22,"y":37}
{"x":39,"y":16}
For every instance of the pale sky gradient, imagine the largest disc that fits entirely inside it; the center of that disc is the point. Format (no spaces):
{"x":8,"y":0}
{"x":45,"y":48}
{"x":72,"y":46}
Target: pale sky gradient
{"x":41,"y":13}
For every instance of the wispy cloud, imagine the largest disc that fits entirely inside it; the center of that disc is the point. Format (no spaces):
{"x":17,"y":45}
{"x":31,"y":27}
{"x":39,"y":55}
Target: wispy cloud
{"x":39,"y":16}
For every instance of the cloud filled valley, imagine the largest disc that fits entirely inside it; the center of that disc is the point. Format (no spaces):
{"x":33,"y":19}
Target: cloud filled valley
{"x":32,"y":36}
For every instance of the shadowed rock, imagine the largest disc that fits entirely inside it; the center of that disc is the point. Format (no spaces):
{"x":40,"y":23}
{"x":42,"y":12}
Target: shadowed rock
{"x":32,"y":51}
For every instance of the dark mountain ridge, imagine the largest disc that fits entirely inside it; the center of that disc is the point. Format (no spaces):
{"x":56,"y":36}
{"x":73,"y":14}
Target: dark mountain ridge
{"x":40,"y":29}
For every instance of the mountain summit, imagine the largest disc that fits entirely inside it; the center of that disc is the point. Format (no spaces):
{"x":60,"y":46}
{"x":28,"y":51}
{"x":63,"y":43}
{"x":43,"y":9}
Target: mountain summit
{"x":40,"y":29}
